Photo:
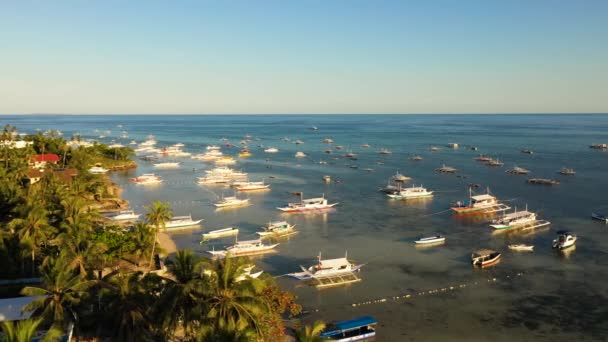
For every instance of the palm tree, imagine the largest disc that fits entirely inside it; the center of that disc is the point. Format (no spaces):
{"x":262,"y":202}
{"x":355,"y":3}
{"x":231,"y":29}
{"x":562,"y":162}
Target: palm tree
{"x":143,"y":240}
{"x":20,"y":331}
{"x":179,"y":303}
{"x":34,"y":229}
{"x":129,"y":299}
{"x":310,"y":333}
{"x":61,"y":291}
{"x":231,"y":300}
{"x":81,"y":253}
{"x":157,"y":216}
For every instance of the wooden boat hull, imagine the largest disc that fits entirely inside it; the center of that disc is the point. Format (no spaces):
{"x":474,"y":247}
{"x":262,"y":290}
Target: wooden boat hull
{"x":293,"y":210}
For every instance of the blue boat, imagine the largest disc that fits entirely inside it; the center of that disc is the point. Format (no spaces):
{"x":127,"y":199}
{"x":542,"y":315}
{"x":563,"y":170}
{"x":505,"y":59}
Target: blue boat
{"x":354,"y":330}
{"x":599,"y":217}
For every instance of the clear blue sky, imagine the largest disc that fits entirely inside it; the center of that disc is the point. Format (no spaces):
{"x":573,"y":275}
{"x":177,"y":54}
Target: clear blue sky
{"x":307,"y":56}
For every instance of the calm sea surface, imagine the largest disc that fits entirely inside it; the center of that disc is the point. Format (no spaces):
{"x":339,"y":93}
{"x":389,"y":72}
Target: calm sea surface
{"x":542,"y":295}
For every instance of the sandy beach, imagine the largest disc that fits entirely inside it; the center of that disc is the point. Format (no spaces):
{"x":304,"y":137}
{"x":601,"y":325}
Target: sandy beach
{"x":166,"y":243}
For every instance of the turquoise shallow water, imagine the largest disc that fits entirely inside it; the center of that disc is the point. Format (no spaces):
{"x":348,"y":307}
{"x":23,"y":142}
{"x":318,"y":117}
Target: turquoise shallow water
{"x":529,"y":296}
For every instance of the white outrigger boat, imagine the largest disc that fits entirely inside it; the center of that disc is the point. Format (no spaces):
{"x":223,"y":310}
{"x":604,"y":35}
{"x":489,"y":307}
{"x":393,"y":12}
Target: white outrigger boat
{"x":167,"y":165}
{"x":564,"y":240}
{"x":318,"y":203}
{"x":484,"y":203}
{"x":146,"y":179}
{"x":327,"y":269}
{"x":399,"y":177}
{"x":215,"y":234}
{"x":244,"y":248}
{"x":437,"y":239}
{"x":521,"y":248}
{"x":178,"y":222}
{"x":231,"y":201}
{"x":515,"y":219}
{"x":276,"y":229}
{"x":271,"y":150}
{"x":98,"y":169}
{"x":251,"y":186}
{"x":411,"y":193}
{"x":124,"y":215}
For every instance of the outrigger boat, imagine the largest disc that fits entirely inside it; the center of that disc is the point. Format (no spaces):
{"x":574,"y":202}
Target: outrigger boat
{"x":484,"y":203}
{"x":251,"y":186}
{"x":485,"y":257}
{"x":167,"y":165}
{"x":231,"y":201}
{"x":147,"y":178}
{"x":600,"y":217}
{"x":124,"y":215}
{"x":177,"y":222}
{"x":361,"y":328}
{"x":564,"y":240}
{"x":244,"y":248}
{"x":327,"y":269}
{"x":411,"y":193}
{"x":215,"y":234}
{"x":277,"y":229}
{"x":318,"y":203}
{"x":522,"y":248}
{"x":398,"y":177}
{"x":514,"y":220}
{"x":437,"y":239}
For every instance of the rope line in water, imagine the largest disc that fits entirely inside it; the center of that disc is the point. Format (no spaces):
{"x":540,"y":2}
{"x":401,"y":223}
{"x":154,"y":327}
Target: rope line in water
{"x":435,"y":291}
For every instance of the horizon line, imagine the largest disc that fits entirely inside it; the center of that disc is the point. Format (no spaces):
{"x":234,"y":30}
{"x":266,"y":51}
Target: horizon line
{"x":260,"y":114}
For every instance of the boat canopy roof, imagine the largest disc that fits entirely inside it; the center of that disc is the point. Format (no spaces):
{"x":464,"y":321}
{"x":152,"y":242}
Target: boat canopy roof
{"x":518,"y":214}
{"x":249,"y":242}
{"x":313,"y":200}
{"x":484,"y":197}
{"x":349,"y":325}
{"x":334,"y":263}
{"x":483,"y":252}
{"x":179,"y":218}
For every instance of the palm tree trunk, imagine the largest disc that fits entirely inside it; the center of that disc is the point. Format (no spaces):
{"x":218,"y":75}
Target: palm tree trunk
{"x":33,"y":262}
{"x":153,"y":247}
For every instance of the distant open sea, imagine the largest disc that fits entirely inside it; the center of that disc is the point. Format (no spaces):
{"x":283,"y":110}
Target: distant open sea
{"x":543,"y":295}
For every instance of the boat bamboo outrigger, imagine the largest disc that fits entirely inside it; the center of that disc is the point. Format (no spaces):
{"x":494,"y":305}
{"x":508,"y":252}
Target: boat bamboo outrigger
{"x":484,"y":203}
{"x":331,"y":272}
{"x":215,"y":234}
{"x":318,"y":203}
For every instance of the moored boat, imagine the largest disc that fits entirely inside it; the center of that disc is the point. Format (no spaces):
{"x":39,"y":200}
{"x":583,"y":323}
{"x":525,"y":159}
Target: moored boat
{"x":251,"y":186}
{"x":564,"y":240}
{"x":214,"y":234}
{"x":398,"y":177}
{"x":411,"y":193}
{"x":98,"y":169}
{"x":485,"y":257}
{"x":231,"y":201}
{"x":361,"y":328}
{"x":521,"y":247}
{"x":279,"y":228}
{"x":167,"y":165}
{"x":600,"y":217}
{"x":147,"y":178}
{"x":484,"y":203}
{"x":318,"y":203}
{"x":124,"y":215}
{"x":177,"y":222}
{"x":327,"y":268}
{"x":271,"y":150}
{"x":514,"y":220}
{"x":567,"y":171}
{"x":244,"y":248}
{"x":436,"y":239}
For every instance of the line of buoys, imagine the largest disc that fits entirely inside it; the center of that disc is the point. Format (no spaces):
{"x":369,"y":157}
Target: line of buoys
{"x":432,"y":291}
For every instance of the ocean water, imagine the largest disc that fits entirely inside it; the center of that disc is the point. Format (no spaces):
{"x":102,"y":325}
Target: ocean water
{"x":544,"y":295}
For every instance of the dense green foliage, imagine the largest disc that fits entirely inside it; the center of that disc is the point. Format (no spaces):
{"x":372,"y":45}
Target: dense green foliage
{"x":96,"y":275}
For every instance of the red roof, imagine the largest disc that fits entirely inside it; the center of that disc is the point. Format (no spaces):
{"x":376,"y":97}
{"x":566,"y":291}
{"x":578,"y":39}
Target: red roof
{"x":53,"y":158}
